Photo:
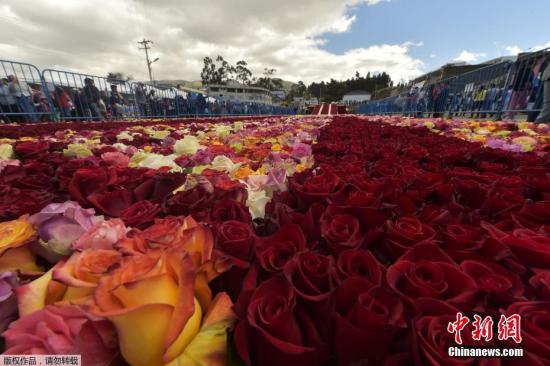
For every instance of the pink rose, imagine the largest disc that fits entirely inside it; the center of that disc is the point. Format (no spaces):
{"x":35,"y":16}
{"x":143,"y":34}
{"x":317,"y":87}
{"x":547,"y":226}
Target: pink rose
{"x":63,"y":330}
{"x":116,"y":159}
{"x":102,"y":236}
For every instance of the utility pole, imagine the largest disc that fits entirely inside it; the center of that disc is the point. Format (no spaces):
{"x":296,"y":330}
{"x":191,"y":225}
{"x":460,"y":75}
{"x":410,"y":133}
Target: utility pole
{"x":145,"y":43}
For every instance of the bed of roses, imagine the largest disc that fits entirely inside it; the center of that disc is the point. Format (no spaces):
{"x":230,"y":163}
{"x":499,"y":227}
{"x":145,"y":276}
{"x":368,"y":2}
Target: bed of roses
{"x":107,"y":233}
{"x":223,"y":243}
{"x":509,"y":136}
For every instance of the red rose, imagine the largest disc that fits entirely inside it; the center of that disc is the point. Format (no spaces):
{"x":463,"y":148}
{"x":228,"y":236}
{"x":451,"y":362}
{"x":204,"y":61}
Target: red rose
{"x":233,"y":240}
{"x":365,"y":316}
{"x":140,"y":214}
{"x":112,"y":203}
{"x":129,"y":178}
{"x":310,"y":188}
{"x":86,"y":181}
{"x":341,"y":229}
{"x":31,"y":149}
{"x":360,"y":263}
{"x":275,"y":251}
{"x":541,"y":284}
{"x":312,"y":275}
{"x":425,"y":271}
{"x":535,"y":331}
{"x":190,"y":201}
{"x":498,"y":286}
{"x":533,"y":214}
{"x":159,"y":187}
{"x":273,"y":330}
{"x":532,"y":248}
{"x":66,"y":171}
{"x":225,"y":210}
{"x":405,"y":232}
{"x":431,"y":340}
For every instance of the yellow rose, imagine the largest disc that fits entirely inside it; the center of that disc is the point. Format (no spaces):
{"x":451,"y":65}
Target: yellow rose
{"x":15,"y":233}
{"x":6,"y":151}
{"x":77,"y":150}
{"x":152,"y":301}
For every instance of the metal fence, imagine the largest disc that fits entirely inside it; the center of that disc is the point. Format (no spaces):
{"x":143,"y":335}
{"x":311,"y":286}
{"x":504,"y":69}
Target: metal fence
{"x":23,"y":94}
{"x":508,"y":89}
{"x":28,"y":95}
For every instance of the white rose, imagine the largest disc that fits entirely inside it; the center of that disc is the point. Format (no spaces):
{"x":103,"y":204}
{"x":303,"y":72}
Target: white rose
{"x":157,"y":161}
{"x":124,"y":135}
{"x":189,"y":145}
{"x":256,"y":203}
{"x":222,"y":162}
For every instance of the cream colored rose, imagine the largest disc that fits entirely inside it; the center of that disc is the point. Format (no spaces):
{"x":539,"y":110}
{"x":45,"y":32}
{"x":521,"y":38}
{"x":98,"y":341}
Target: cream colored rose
{"x":6,"y":152}
{"x":256,"y":203}
{"x":223,"y":163}
{"x":189,"y":145}
{"x":78,"y":151}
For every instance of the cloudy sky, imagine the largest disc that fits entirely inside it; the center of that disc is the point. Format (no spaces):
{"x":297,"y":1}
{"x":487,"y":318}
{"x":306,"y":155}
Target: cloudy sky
{"x":306,"y":40}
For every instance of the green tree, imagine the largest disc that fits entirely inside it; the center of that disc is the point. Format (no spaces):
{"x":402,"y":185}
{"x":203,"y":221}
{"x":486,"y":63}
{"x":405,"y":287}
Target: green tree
{"x":114,"y":77}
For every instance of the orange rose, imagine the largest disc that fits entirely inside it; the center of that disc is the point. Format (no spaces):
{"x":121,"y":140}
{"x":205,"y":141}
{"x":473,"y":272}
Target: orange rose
{"x":70,"y":280}
{"x":152,"y":300}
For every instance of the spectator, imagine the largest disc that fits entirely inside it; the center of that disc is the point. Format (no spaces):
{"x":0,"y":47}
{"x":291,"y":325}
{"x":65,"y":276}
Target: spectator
{"x":152,"y":102}
{"x":116,"y":102}
{"x":141,"y":99}
{"x":479,"y":101}
{"x":8,"y":103}
{"x":490,"y":100}
{"x":40,"y":103}
{"x":63,"y":102}
{"x":92,"y":97}
{"x":544,"y":115}
{"x":22,"y":93}
{"x":521,"y":87}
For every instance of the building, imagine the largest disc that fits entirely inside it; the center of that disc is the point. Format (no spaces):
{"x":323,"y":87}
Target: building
{"x":236,"y":92}
{"x":356,"y":96}
{"x":280,"y":94}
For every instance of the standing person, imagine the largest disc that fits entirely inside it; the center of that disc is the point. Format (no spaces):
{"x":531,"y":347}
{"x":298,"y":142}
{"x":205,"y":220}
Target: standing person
{"x":141,"y":99}
{"x":479,"y":101}
{"x":8,"y":103}
{"x":490,"y":100}
{"x":116,"y":102}
{"x":521,"y":87}
{"x":544,"y":115}
{"x":92,"y":97}
{"x":23,"y":94}
{"x":63,"y":102}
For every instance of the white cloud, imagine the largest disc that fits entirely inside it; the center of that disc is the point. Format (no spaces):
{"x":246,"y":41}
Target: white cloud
{"x":512,"y":50}
{"x":98,"y":36}
{"x":467,"y":56}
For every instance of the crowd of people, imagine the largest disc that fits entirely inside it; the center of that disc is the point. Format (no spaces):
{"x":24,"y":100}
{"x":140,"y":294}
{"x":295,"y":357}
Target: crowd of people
{"x":527,"y":92}
{"x":24,"y":102}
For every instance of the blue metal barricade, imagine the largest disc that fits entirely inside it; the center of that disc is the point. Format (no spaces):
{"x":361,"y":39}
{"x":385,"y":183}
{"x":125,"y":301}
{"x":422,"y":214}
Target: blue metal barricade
{"x":23,"y":95}
{"x":78,"y":96}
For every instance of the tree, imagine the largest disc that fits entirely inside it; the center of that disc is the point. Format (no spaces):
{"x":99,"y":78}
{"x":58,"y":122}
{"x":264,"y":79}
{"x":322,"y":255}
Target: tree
{"x":268,"y":81}
{"x":216,"y":72}
{"x":242,"y":73}
{"x":114,"y":77}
